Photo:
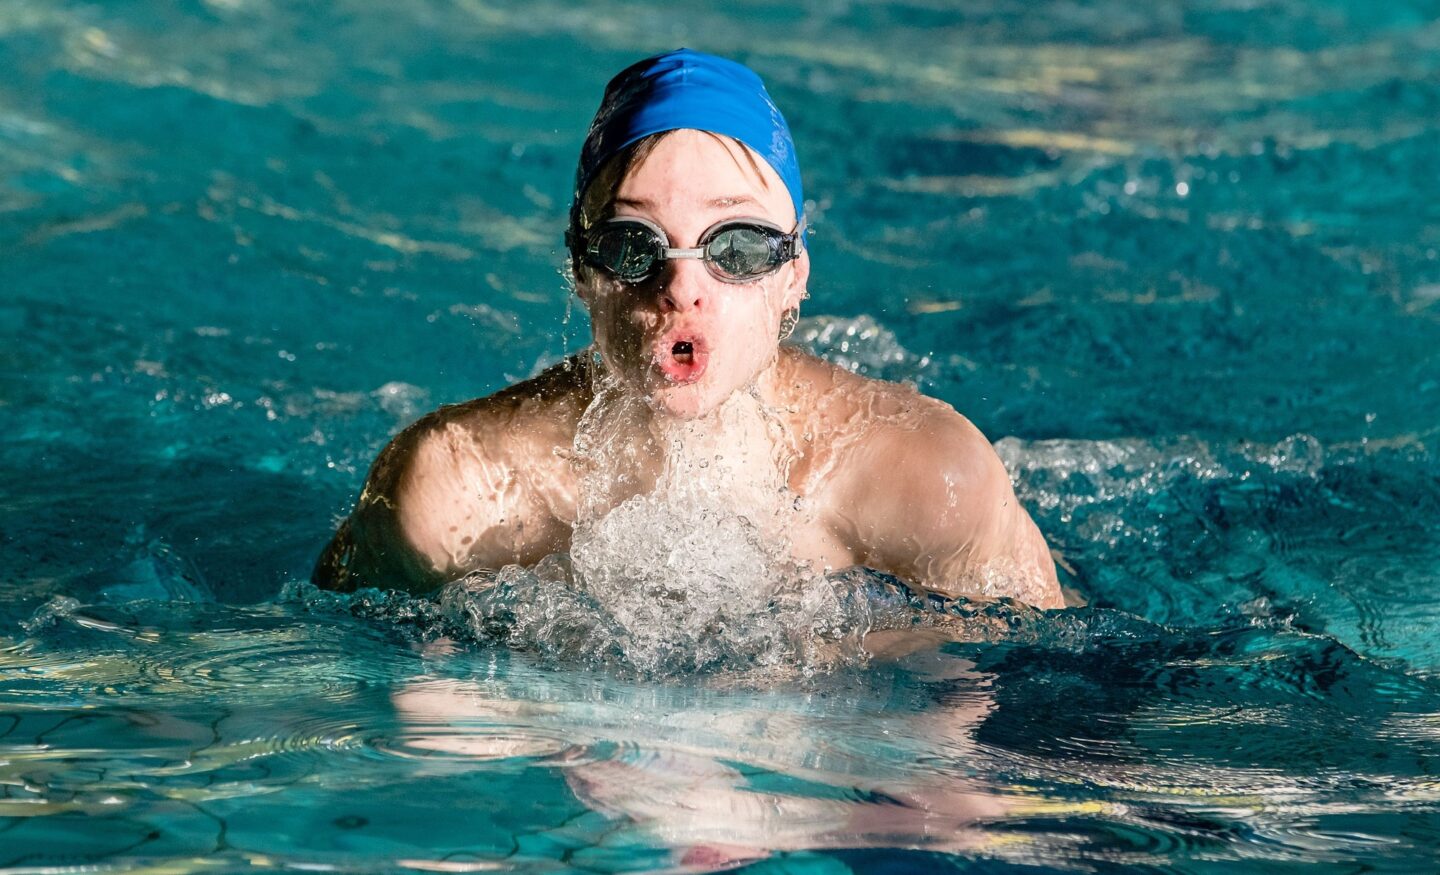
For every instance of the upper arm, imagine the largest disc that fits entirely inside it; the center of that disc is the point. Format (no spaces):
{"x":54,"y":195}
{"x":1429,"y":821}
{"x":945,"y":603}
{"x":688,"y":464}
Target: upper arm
{"x":945,"y":516}
{"x":444,"y":498}
{"x":379,"y":544}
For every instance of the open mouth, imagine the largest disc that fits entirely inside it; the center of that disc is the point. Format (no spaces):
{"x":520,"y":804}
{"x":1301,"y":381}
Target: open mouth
{"x":681,"y":358}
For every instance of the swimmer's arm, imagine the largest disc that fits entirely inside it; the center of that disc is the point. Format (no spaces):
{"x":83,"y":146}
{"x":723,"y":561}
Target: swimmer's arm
{"x":436,"y":506}
{"x":945,"y":517}
{"x":372,"y":547}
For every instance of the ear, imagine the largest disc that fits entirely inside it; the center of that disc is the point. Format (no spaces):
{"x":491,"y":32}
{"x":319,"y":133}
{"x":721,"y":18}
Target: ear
{"x":797,"y":291}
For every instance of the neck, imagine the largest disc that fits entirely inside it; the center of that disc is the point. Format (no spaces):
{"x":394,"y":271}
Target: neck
{"x":737,"y":455}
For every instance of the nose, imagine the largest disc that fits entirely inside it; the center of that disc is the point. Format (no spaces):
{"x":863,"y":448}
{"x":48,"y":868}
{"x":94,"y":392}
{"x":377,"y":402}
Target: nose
{"x":684,"y":285}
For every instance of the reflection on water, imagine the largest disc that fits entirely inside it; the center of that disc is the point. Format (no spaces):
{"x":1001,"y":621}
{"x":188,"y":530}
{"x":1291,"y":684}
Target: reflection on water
{"x":1182,"y":261}
{"x":297,"y":735}
{"x":716,"y":785}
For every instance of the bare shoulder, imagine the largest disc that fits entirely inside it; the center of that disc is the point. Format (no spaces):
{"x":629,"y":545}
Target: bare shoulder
{"x":470,"y":485}
{"x":919,"y":492}
{"x":864,"y":419}
{"x":930,"y":455}
{"x":522,"y":425}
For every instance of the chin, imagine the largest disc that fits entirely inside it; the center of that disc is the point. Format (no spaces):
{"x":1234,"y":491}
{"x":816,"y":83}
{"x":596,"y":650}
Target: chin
{"x":691,"y":401}
{"x":682,"y":402}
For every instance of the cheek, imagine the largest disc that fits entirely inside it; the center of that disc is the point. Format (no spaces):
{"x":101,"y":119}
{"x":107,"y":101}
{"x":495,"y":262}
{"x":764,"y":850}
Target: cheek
{"x":765,"y":302}
{"x":620,"y":324}
{"x":749,"y":321}
{"x":614,"y":312}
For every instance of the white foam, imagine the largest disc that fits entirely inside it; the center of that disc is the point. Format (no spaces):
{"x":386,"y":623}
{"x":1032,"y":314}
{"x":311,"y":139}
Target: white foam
{"x":679,"y":559}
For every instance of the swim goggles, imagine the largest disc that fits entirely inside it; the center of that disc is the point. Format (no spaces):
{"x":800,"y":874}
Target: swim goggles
{"x":734,"y":251}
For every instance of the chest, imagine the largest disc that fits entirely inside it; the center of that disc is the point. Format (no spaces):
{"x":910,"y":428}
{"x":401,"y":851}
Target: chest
{"x":815,"y":540}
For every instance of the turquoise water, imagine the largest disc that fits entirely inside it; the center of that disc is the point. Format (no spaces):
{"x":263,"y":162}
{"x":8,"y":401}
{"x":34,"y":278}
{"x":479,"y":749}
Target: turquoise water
{"x":1182,"y":262}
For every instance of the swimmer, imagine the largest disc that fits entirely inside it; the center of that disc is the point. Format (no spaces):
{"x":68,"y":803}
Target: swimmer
{"x":687,"y":240}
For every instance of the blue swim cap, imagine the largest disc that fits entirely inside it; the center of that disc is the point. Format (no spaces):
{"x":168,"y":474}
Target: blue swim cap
{"x":686,"y":89}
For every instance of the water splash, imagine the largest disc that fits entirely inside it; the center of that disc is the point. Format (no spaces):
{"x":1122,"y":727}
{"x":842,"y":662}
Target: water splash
{"x":680,"y":559}
{"x":555,"y":612}
{"x":863,"y":346}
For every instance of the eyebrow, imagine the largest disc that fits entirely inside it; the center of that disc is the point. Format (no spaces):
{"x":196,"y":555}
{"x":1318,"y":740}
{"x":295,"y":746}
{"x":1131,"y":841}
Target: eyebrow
{"x":730,"y":201}
{"x":713,"y":203}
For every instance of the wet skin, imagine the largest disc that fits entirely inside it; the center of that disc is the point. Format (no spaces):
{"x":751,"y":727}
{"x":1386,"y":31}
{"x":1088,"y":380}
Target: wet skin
{"x":885,"y":477}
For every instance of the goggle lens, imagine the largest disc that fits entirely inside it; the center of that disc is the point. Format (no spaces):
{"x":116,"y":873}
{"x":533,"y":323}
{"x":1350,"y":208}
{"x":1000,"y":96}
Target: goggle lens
{"x":734,"y":251}
{"x":742,"y":252}
{"x":627,"y":250}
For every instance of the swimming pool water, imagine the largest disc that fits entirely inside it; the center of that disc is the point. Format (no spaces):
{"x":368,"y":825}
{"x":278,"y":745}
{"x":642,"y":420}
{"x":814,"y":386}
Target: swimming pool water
{"x":1181,"y":261}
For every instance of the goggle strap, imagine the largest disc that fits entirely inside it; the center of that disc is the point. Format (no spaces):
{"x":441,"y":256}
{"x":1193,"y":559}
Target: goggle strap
{"x":791,"y":248}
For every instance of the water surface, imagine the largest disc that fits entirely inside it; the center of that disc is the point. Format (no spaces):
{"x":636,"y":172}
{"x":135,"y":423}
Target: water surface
{"x":1180,"y":261}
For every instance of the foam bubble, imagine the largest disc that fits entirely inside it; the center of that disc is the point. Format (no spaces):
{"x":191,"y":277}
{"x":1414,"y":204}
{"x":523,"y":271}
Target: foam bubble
{"x":679,"y":559}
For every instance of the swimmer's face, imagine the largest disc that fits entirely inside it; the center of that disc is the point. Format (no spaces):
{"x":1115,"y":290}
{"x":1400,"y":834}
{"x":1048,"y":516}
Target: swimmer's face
{"x":684,"y":339}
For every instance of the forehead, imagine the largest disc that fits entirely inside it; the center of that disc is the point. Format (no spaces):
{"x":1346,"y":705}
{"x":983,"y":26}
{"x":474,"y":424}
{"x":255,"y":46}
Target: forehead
{"x":695,"y":170}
